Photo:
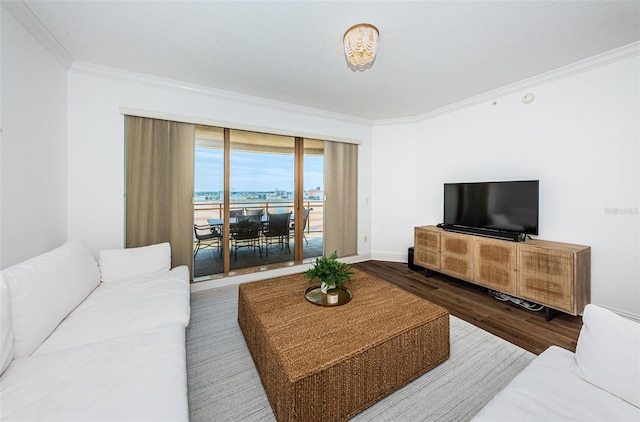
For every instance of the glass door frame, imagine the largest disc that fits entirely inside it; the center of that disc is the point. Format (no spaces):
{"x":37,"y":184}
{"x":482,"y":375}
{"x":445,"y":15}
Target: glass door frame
{"x":226,"y":237}
{"x":298,"y":196}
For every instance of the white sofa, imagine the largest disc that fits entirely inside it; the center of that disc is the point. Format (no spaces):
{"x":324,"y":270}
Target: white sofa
{"x":599,"y":382}
{"x":81,"y":341}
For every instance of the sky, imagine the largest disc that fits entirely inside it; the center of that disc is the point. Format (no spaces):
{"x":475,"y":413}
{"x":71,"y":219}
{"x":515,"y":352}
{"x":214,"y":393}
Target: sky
{"x":254,"y":171}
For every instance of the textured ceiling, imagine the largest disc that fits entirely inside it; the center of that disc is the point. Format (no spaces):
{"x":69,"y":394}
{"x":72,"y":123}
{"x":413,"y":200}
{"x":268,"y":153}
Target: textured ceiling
{"x":431,"y":53}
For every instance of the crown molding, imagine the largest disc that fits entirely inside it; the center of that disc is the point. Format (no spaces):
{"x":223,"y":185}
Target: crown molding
{"x":28,"y":19}
{"x":159,"y":82}
{"x":396,"y":121}
{"x":604,"y":59}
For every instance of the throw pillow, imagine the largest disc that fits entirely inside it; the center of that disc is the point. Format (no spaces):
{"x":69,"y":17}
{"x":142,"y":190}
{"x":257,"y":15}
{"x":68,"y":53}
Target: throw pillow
{"x":45,"y":289}
{"x":119,"y":264}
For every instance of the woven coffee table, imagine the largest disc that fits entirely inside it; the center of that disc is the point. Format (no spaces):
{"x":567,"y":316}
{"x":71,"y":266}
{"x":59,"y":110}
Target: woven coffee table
{"x":330,"y":363}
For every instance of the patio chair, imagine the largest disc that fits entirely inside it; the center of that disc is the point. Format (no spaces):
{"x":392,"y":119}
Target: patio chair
{"x":245,"y":233}
{"x":254,"y":211}
{"x":305,"y":218}
{"x":207,"y":236}
{"x":236,"y":213}
{"x":276,"y":230}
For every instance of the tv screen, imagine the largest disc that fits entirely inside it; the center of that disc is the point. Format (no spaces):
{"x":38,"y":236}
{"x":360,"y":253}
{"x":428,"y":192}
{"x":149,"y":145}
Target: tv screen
{"x":500,"y":206}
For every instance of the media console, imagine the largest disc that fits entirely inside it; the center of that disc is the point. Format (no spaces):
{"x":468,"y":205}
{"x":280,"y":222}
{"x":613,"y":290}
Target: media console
{"x":554,"y":274}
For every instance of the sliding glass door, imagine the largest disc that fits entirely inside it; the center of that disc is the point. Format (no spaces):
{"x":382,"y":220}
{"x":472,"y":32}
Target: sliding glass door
{"x":313,"y":199}
{"x":264,"y":208}
{"x":262,"y":194}
{"x":208,"y":201}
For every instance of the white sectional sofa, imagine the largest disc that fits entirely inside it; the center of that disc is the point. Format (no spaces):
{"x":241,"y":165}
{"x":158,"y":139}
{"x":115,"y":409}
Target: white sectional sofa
{"x":599,"y":382}
{"x":81,"y":341}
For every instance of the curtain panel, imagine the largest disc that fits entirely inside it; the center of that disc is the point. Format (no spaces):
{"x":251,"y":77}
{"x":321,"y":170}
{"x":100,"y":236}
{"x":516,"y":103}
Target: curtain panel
{"x":159,"y":158}
{"x":341,"y":205}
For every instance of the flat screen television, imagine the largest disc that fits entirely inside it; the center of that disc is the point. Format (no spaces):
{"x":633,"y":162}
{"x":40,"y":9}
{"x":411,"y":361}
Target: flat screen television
{"x":492,"y":208}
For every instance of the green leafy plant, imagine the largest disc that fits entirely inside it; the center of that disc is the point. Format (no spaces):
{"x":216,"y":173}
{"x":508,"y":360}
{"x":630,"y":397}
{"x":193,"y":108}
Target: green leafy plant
{"x":331,"y":272}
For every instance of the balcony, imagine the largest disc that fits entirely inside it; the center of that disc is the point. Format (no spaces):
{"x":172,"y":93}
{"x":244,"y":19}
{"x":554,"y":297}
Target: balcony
{"x":209,"y":262}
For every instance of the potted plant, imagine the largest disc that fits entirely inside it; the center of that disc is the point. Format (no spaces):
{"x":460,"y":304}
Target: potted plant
{"x":331,"y":272}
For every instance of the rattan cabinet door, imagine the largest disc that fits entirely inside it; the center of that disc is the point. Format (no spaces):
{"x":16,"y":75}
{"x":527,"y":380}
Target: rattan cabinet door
{"x":547,"y":277}
{"x":426,"y":247}
{"x":456,"y":255}
{"x":495,"y":265}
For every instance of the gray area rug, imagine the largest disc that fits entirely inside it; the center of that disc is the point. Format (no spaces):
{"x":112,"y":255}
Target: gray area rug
{"x":224,"y":384}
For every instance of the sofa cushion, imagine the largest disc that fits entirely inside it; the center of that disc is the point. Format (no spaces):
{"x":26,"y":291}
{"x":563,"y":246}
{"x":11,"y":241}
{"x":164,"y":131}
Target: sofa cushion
{"x":6,"y":330}
{"x":119,"y":264}
{"x":608,"y":353}
{"x":45,"y":289}
{"x":137,"y":377}
{"x":123,"y":307}
{"x":547,"y":390}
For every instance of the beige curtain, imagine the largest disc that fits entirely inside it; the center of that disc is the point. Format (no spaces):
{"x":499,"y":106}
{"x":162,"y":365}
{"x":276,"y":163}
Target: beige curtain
{"x":159,"y":185}
{"x":341,"y":205}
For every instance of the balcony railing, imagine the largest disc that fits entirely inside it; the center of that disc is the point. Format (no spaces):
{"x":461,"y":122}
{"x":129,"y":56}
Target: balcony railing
{"x":214,"y":209}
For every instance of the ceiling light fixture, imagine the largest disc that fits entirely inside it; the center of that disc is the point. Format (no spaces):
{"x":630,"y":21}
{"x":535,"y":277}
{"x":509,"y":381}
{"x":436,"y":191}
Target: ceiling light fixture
{"x":360,"y":45}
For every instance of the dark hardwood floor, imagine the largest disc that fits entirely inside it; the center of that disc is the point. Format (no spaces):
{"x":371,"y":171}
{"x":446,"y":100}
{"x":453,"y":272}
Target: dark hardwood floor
{"x":471,"y":303}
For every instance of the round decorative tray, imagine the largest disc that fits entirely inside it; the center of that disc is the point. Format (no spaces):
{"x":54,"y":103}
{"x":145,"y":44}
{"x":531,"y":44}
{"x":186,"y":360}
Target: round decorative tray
{"x":315,"y":296}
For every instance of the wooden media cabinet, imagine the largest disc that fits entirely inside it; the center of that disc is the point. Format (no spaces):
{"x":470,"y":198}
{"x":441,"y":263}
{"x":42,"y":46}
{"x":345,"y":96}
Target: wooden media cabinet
{"x":554,"y":274}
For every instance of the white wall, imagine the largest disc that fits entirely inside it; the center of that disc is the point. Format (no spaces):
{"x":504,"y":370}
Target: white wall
{"x":396,"y":188}
{"x":96,"y":140}
{"x":580,"y":137}
{"x":33,"y":217}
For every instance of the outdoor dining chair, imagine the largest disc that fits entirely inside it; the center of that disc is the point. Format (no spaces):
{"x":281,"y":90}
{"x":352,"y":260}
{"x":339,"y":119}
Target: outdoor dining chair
{"x":207,"y":236}
{"x":276,"y":231}
{"x":245,"y":233}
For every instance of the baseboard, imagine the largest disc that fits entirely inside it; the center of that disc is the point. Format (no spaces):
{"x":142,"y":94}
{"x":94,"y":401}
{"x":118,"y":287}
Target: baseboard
{"x":625,"y":314}
{"x":360,"y":257}
{"x":390,"y":256}
{"x":231,"y":280}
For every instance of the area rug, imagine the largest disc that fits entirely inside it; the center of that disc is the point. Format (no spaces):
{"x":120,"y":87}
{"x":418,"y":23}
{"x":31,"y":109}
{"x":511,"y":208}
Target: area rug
{"x":224,"y":384}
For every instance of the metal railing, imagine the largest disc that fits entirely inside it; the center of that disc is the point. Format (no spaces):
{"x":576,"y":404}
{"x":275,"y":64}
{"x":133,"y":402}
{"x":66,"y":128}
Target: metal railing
{"x":214,"y":209}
